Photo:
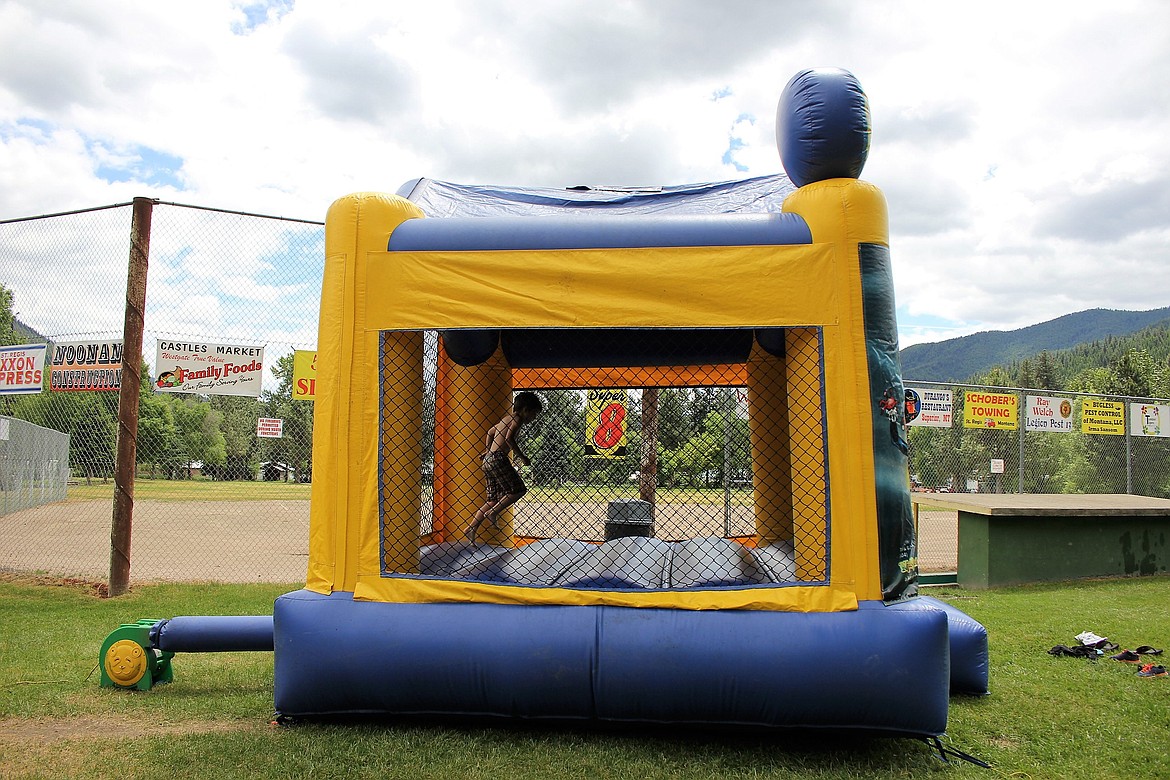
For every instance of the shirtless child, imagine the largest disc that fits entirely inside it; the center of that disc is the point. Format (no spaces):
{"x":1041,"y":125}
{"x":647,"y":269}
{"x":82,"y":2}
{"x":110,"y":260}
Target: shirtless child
{"x":504,"y":486}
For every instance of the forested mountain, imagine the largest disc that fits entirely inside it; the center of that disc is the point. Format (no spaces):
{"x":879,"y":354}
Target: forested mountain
{"x":1100,"y":332}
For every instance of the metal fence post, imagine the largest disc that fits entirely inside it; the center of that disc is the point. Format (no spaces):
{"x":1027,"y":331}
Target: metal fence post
{"x":1128,"y":448}
{"x":120,"y":529}
{"x":1023,"y":425}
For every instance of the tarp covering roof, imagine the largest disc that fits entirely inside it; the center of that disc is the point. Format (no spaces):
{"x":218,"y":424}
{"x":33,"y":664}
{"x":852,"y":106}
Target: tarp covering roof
{"x":759,"y":195}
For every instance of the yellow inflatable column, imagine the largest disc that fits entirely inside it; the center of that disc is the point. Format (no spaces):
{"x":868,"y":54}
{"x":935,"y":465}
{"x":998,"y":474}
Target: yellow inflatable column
{"x":343,"y":515}
{"x":767,"y":381}
{"x":475,"y":399}
{"x":845,"y":213}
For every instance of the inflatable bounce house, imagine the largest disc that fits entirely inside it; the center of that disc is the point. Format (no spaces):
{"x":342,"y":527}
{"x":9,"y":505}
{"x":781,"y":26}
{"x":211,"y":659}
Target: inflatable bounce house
{"x":442,"y":302}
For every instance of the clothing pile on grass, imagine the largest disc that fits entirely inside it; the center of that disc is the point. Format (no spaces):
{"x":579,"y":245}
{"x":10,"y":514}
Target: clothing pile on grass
{"x":1093,"y":647}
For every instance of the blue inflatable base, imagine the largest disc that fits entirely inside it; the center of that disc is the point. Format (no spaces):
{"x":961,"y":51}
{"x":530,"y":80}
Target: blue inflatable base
{"x":879,"y":669}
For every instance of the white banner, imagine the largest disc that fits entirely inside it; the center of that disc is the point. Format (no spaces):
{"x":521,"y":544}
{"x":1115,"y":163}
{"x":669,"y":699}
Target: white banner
{"x":208,"y":369}
{"x":1149,"y":420}
{"x":1048,"y":413}
{"x":929,"y":408}
{"x":22,"y":369}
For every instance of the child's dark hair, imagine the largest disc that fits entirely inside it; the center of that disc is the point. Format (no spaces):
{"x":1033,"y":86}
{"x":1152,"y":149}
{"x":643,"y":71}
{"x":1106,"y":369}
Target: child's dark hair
{"x":527,"y":400}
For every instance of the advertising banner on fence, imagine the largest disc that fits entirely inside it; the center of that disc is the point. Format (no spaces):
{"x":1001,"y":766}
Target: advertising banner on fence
{"x":929,"y":408}
{"x":269,"y":428}
{"x":22,"y":369}
{"x":304,"y":375}
{"x":1149,"y":420}
{"x":86,"y":366}
{"x":1048,"y":413}
{"x":991,"y":410}
{"x":1103,"y":417}
{"x":605,"y":424}
{"x":208,"y":369}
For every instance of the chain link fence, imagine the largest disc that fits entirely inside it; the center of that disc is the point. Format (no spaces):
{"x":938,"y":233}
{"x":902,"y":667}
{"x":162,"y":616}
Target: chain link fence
{"x":213,"y":500}
{"x":216,"y":501}
{"x":34,"y":465}
{"x":981,"y":439}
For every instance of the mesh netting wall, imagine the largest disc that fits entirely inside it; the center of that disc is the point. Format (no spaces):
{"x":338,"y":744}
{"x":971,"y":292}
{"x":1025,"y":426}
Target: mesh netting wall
{"x":639,"y":476}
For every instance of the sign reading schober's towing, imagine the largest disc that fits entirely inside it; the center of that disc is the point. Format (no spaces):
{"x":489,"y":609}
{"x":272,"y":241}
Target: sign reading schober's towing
{"x":991,"y":410}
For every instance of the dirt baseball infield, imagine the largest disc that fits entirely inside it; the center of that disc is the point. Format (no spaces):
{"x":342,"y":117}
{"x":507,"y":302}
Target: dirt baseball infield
{"x":236,"y":541}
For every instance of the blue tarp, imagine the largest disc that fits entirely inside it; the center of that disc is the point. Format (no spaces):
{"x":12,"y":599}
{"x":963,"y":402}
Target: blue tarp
{"x":759,"y":195}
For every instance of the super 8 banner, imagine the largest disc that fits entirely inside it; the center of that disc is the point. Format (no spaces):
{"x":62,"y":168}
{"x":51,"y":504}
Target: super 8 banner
{"x":605,"y":424}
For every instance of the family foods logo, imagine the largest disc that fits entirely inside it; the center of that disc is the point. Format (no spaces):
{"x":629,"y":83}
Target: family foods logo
{"x":208,"y":369}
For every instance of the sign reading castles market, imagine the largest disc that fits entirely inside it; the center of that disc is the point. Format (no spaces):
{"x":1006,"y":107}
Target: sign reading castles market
{"x":208,"y":369}
{"x":86,"y":366}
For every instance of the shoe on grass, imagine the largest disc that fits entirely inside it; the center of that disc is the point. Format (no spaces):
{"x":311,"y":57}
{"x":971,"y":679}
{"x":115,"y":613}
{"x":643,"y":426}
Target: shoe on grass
{"x":1127,"y":656}
{"x":1150,"y":670}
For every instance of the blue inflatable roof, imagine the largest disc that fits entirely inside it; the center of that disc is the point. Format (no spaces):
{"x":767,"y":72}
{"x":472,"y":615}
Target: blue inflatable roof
{"x":759,"y":195}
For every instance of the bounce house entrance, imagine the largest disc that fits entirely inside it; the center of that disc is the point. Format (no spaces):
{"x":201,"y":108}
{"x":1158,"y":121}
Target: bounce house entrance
{"x":663,"y":458}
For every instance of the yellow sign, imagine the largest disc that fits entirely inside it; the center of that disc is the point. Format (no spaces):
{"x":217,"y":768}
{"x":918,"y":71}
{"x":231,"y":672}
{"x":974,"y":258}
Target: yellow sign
{"x":1104,"y":417}
{"x":605,"y":424}
{"x":991,"y":410}
{"x":304,"y":375}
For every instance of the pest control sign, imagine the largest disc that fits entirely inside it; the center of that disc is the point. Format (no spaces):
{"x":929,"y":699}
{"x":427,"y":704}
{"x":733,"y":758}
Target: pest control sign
{"x":991,"y":410}
{"x":208,"y":369}
{"x":1047,"y":413}
{"x":929,"y":408}
{"x":1103,"y":417}
{"x":22,"y":369}
{"x":605,"y":424}
{"x":86,"y":365}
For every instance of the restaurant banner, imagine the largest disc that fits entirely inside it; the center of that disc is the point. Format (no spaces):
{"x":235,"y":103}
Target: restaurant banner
{"x":929,"y":408}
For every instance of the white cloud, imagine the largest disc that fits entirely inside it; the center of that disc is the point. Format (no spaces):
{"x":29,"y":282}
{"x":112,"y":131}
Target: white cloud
{"x":1020,"y":146}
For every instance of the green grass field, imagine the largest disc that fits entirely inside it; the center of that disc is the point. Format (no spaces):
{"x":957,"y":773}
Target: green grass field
{"x":208,"y":490}
{"x":1046,"y":717}
{"x":193,"y":490}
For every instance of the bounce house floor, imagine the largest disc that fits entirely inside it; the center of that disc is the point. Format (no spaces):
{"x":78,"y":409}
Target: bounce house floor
{"x":629,"y":562}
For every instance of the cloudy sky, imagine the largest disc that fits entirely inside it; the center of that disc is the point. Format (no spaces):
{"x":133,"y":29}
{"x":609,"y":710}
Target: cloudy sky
{"x":1022,"y":146}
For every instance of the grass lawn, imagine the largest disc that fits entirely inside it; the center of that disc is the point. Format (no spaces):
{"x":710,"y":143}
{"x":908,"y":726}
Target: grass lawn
{"x":1046,"y":718}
